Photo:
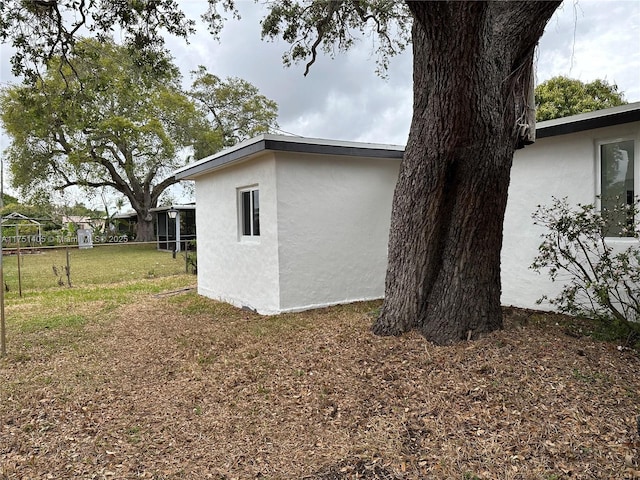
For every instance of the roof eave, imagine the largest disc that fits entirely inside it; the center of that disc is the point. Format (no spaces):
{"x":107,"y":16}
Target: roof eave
{"x":589,"y":121}
{"x":278,"y":143}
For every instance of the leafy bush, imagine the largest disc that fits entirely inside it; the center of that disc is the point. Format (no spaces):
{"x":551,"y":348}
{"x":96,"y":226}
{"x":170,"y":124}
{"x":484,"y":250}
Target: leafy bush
{"x":602,"y":277}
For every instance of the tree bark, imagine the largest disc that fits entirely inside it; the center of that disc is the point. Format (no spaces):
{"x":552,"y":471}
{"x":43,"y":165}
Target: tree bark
{"x":472,"y":71}
{"x":144,"y":229}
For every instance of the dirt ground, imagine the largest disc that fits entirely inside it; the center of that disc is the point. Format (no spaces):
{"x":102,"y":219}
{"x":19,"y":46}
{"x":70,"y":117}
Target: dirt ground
{"x":175,"y":387}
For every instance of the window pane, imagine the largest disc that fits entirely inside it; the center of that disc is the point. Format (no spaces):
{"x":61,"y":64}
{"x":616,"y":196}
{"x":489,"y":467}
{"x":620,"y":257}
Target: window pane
{"x":188,"y":222}
{"x":617,"y":186}
{"x":256,"y":212}
{"x":246,"y":213}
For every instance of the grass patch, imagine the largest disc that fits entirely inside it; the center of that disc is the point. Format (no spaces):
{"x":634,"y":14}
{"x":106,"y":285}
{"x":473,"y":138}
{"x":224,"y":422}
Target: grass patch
{"x":255,"y":325}
{"x":49,"y":321}
{"x":91,"y":301}
{"x":46,"y":322}
{"x":103,"y":279}
{"x":194,"y":304}
{"x":278,"y":325}
{"x":46,"y":269}
{"x":627,"y":335}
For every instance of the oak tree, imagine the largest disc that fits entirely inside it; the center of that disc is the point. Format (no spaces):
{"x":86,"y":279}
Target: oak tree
{"x":235,"y":107}
{"x":472,"y":107}
{"x":42,"y":29}
{"x":107,"y":118}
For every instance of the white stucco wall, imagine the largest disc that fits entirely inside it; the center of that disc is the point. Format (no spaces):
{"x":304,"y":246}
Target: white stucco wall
{"x":560,"y":166}
{"x":243,"y":273}
{"x":325,"y":220}
{"x":333,"y":220}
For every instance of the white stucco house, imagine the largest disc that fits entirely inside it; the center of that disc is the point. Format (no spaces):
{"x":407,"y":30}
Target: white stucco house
{"x":287,"y":223}
{"x":574,"y":157}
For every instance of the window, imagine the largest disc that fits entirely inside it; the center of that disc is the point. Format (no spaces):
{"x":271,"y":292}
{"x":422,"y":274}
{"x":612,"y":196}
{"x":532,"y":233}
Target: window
{"x":249,"y":212}
{"x":617,"y":187}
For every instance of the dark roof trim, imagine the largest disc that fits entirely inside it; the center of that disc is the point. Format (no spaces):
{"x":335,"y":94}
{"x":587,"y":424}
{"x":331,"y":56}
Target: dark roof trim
{"x":280,"y":143}
{"x":188,"y":206}
{"x":230,"y":157}
{"x":589,"y":121}
{"x":284,"y":146}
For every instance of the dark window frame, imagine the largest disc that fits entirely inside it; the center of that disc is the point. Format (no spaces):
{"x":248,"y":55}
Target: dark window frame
{"x":249,"y":211}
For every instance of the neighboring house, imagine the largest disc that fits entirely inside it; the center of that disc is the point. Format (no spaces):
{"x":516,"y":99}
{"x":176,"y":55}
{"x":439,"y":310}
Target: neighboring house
{"x":175,"y":227}
{"x":124,"y":223}
{"x":289,"y":223}
{"x":82,"y":222}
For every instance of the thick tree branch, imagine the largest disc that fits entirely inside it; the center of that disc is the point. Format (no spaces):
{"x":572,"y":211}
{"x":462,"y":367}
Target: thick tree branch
{"x":87,"y":184}
{"x":121,"y":184}
{"x":161,"y":187}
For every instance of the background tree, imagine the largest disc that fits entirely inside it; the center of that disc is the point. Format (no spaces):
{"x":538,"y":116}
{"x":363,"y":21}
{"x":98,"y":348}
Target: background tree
{"x":31,"y":211}
{"x":8,"y":199}
{"x":235,"y":107}
{"x":43,"y":29}
{"x":562,"y":96}
{"x":113,"y":121}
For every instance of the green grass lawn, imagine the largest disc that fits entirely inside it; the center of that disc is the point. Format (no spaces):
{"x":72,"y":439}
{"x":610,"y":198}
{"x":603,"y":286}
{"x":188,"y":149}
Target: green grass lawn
{"x":102,"y":279}
{"x":106,"y":264}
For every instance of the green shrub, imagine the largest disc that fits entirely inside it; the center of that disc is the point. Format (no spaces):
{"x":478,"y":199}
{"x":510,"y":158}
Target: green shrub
{"x":602,"y":277}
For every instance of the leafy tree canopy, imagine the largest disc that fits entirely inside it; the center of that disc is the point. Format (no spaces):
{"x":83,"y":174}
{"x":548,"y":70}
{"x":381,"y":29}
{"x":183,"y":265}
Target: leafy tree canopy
{"x":331,"y":26}
{"x":31,"y":211}
{"x":235,"y":107}
{"x":115,"y":124}
{"x":562,"y":96}
{"x":7,"y":199}
{"x":44,"y":29}
{"x":309,"y":26}
{"x":106,"y":117}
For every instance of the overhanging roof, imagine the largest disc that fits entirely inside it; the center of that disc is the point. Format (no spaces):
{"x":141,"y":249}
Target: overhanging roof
{"x":282,"y":143}
{"x":589,"y":121}
{"x":166,"y":208}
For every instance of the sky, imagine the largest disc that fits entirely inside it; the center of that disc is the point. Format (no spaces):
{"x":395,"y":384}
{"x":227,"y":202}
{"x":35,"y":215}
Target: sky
{"x":343,"y":98}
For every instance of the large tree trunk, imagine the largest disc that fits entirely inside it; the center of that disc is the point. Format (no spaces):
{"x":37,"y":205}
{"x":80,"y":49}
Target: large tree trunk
{"x":144,"y":228}
{"x":472,"y":70}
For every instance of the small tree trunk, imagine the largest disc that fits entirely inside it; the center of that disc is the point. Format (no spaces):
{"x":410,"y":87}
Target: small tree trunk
{"x":472,"y":61}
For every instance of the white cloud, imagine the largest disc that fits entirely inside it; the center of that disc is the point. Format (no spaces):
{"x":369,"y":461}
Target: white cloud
{"x":588,"y":40}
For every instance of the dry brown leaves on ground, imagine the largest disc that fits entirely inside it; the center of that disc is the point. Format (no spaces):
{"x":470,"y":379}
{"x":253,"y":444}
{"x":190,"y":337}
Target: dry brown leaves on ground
{"x":182,"y":387}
